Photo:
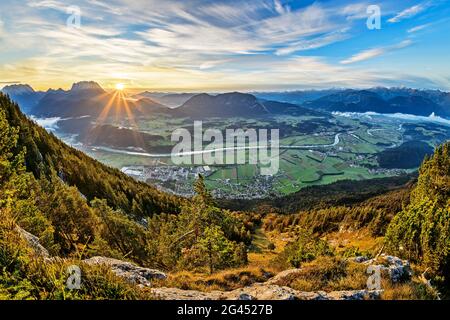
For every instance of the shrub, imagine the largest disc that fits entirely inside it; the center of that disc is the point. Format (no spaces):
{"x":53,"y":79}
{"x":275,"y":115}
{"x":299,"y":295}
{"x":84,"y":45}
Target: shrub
{"x":421,"y":232}
{"x":305,"y":248}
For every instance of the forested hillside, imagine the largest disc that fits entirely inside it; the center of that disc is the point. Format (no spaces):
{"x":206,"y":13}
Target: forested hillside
{"x":46,"y":155}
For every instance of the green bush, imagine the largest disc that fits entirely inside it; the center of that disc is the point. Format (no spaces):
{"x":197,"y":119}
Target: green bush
{"x":305,"y":248}
{"x":421,"y":232}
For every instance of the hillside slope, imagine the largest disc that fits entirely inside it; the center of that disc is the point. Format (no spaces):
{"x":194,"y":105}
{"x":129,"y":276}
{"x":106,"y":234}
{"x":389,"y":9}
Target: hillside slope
{"x":45,"y":152}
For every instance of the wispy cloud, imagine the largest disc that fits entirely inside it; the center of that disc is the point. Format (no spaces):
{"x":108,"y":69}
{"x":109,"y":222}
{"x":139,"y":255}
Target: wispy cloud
{"x":190,"y":44}
{"x":249,"y":35}
{"x":375,"y":52}
{"x":419,"y":28}
{"x":52,"y":4}
{"x":280,"y":8}
{"x":314,"y":43}
{"x":410,"y":12}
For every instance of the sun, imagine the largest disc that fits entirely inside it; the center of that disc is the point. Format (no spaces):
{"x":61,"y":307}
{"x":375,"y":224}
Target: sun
{"x":120,"y":86}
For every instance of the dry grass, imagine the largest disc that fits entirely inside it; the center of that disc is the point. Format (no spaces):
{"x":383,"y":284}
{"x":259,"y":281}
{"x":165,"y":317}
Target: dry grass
{"x":224,"y":281}
{"x":357,"y":239}
{"x":413,"y":290}
{"x":334,"y":274}
{"x":260,"y":256}
{"x":328,"y":274}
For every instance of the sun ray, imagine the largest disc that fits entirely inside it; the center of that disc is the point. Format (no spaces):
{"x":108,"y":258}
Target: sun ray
{"x":105,"y":112}
{"x":132,"y":122}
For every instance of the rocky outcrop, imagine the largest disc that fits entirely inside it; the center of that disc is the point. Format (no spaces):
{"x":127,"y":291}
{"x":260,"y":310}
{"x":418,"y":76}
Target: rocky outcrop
{"x":263,"y":291}
{"x":127,"y":270}
{"x":34,"y":243}
{"x":398,"y":269}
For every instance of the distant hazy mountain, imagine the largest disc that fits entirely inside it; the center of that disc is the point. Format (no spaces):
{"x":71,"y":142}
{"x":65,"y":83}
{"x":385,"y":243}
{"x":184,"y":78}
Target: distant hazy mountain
{"x":236,"y":104}
{"x":382,"y":100}
{"x":378,"y":99}
{"x":24,"y":95}
{"x":415,"y":105}
{"x":351,"y":101}
{"x":171,"y":100}
{"x":88,"y":98}
{"x":152,"y":107}
{"x":436,"y":96}
{"x":295,"y":97}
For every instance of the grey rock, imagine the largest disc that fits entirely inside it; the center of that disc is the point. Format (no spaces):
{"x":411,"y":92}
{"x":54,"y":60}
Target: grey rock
{"x":359,"y":259}
{"x":263,"y":291}
{"x":34,"y":243}
{"x":129,"y":271}
{"x":355,"y":295}
{"x":245,"y":296}
{"x":399,"y":270}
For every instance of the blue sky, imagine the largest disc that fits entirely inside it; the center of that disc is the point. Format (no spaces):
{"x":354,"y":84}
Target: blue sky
{"x":227,"y":45}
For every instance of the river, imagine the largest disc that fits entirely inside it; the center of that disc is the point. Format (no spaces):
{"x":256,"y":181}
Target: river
{"x":190,"y":153}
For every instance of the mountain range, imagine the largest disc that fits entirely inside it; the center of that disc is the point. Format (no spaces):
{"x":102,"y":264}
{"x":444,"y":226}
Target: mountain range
{"x":379,"y":99}
{"x":87,"y":98}
{"x":371,"y":101}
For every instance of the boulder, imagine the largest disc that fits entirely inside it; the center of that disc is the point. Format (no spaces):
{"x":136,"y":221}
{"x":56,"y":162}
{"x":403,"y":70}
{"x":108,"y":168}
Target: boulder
{"x":127,"y":270}
{"x":359,"y":259}
{"x":398,"y":269}
{"x":34,"y":243}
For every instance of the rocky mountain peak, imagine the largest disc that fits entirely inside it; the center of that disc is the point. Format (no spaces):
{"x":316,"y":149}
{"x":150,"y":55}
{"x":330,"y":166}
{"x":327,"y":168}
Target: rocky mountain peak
{"x":86,"y":85}
{"x":18,"y":89}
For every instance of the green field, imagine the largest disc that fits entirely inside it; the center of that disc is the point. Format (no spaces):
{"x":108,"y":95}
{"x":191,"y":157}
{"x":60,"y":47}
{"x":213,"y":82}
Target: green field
{"x":314,"y":160}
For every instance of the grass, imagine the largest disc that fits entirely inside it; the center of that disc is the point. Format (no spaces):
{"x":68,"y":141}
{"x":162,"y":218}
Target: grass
{"x":260,"y":255}
{"x":24,"y":275}
{"x":336,"y":274}
{"x":225,"y":280}
{"x":327,"y":274}
{"x":360,"y":239}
